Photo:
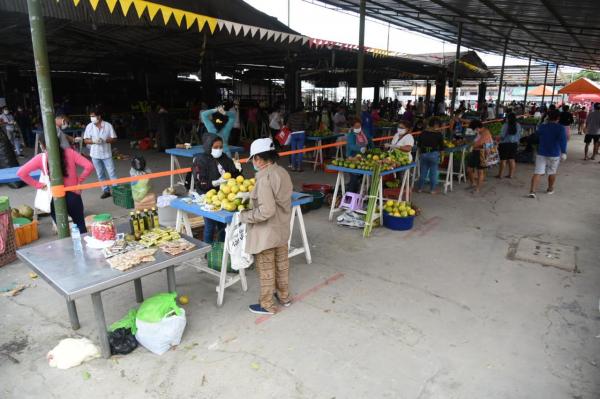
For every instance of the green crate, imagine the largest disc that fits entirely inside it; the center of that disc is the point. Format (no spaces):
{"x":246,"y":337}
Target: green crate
{"x":215,"y":257}
{"x":122,"y":196}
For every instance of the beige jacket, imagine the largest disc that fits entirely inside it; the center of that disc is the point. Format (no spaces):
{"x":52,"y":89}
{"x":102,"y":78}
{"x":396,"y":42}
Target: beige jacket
{"x":269,"y":219}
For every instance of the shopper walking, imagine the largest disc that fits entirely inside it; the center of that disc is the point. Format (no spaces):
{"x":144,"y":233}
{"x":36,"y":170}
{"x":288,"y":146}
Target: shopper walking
{"x":269,"y":226}
{"x":476,"y":169}
{"x":592,"y":132}
{"x":509,"y":143}
{"x":430,"y":143}
{"x":69,"y":161}
{"x":552,"y":149}
{"x":566,"y":120}
{"x":100,"y":134}
{"x":296,"y":122}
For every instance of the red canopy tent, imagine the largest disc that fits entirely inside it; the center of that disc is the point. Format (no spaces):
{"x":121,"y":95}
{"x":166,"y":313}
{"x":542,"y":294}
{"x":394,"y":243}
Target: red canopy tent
{"x":581,"y":86}
{"x":584,"y":98}
{"x":540,"y":90}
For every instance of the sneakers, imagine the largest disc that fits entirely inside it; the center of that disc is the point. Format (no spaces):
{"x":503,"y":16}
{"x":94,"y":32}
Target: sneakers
{"x":284,"y":304}
{"x":550,"y":192}
{"x":532,"y":195}
{"x":256,"y":308}
{"x":105,"y":194}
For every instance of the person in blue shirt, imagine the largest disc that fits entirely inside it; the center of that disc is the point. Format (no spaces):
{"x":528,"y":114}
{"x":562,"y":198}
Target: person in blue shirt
{"x":356,"y":143}
{"x":509,"y":143}
{"x":220,"y":122}
{"x":367,"y":123}
{"x":552,"y":148}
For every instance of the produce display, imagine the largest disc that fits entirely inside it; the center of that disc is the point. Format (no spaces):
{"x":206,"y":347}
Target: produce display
{"x":392,"y":184}
{"x":400,"y":209}
{"x":322,"y":131}
{"x":226,"y":198}
{"x":494,"y":128}
{"x":23,"y":211}
{"x":387,"y":160}
{"x":385,"y":123}
{"x":529,"y":121}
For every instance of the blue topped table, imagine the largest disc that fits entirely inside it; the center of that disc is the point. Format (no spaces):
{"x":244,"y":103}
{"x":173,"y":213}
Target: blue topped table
{"x":190,"y":153}
{"x":318,"y":153}
{"x":185,"y":206}
{"x":9,"y":175}
{"x":341,"y":184}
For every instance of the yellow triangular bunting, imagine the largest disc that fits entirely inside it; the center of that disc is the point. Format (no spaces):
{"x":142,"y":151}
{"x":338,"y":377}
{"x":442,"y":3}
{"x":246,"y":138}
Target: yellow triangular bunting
{"x":125,"y":5}
{"x":111,"y":5}
{"x":152,"y":10}
{"x":178,"y":15}
{"x":140,"y":6}
{"x":201,"y":21}
{"x":166,"y":13}
{"x":76,"y":2}
{"x":189,"y":19}
{"x":212,"y":23}
{"x":94,"y":4}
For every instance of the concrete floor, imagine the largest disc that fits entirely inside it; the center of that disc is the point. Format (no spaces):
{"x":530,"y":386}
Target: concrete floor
{"x":439,"y":312}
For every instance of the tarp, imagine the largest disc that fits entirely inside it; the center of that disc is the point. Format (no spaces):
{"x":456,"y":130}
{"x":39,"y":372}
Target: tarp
{"x":581,"y":86}
{"x":540,"y":91}
{"x":584,"y":98}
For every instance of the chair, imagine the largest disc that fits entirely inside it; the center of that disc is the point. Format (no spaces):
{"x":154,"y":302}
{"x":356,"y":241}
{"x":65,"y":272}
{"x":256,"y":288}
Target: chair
{"x":352,"y":201}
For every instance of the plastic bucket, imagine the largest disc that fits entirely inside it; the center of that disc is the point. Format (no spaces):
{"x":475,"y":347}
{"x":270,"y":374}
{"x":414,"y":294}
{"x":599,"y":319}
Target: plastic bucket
{"x":167,"y":216}
{"x":398,"y":223}
{"x":324,"y":188}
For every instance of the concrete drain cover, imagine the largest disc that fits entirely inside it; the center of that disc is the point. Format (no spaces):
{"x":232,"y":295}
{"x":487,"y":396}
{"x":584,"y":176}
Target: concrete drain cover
{"x":547,"y":254}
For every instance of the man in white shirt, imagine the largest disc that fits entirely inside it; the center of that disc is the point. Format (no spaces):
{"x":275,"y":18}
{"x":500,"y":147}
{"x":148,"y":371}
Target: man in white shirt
{"x":99,"y":135}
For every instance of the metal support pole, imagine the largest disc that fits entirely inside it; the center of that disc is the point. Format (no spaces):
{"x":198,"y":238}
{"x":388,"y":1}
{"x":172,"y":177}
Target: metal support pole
{"x":42,"y":72}
{"x":526,"y":85}
{"x":554,"y":84}
{"x":360,"y":65}
{"x":501,"y":76}
{"x":455,"y":71}
{"x":544,"y":86}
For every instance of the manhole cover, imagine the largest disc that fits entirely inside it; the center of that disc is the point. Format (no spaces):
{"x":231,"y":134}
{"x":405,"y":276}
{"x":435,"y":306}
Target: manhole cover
{"x":547,"y":254}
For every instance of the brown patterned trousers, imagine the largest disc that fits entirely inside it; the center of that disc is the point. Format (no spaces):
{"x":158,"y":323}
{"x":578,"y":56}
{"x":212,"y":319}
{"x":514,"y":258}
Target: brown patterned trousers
{"x":273,"y":266}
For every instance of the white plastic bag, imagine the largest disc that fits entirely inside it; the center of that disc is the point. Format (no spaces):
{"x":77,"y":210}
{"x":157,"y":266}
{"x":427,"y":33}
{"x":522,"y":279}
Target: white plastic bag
{"x":43,"y":196}
{"x":236,"y":245}
{"x":71,"y":352}
{"x":159,"y":337}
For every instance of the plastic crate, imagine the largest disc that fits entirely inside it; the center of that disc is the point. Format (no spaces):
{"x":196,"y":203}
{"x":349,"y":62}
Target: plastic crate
{"x":122,"y":196}
{"x":26,"y":233}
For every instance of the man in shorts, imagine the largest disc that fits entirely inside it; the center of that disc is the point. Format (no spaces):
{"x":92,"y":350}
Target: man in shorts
{"x":592,"y":132}
{"x":552,"y":149}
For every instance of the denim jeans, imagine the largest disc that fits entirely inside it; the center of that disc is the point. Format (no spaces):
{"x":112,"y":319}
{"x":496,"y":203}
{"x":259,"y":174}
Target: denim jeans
{"x":210,"y":227}
{"x":429,"y":167}
{"x":105,"y":169}
{"x":297,"y":143}
{"x":74,"y":209}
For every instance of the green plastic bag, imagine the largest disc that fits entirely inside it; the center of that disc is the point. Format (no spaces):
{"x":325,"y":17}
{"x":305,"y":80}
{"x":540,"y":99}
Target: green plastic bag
{"x":140,"y":189}
{"x":126,"y":322}
{"x":155,"y":308}
{"x":215,"y":257}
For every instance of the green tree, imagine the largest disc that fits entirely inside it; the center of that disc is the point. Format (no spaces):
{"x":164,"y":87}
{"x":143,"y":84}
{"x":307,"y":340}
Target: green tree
{"x":591,"y":75}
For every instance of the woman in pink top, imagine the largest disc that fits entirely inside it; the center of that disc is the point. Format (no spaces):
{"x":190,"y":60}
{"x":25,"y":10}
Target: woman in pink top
{"x":69,"y":160}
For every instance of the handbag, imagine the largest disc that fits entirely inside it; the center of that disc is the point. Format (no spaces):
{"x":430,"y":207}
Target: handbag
{"x":284,"y":136}
{"x":488,"y":155}
{"x":236,"y":244}
{"x":43,"y":196}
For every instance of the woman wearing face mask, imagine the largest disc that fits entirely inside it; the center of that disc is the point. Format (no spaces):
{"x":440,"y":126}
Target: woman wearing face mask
{"x":220,"y":122}
{"x":356,"y":143}
{"x":269,"y":226}
{"x":208,"y":170}
{"x":403,"y":140}
{"x":475,"y":171}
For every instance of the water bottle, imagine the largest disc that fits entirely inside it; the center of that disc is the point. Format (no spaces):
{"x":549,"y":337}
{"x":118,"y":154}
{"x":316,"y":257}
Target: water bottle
{"x":76,"y":237}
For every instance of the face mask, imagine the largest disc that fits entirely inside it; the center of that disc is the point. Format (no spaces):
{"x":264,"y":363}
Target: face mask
{"x":5,"y":112}
{"x":356,"y":130}
{"x":65,"y":125}
{"x":216,"y":152}
{"x":256,"y":168}
{"x":94,"y":119}
{"x":401,"y":130}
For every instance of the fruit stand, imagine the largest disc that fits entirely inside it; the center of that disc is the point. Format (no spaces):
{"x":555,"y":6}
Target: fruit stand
{"x":190,"y":152}
{"x":186,"y":206}
{"x":318,"y":142}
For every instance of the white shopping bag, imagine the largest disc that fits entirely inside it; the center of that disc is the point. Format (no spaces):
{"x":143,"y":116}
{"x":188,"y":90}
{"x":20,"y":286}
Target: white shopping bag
{"x":43,"y":196}
{"x":159,"y":337}
{"x":236,"y":246}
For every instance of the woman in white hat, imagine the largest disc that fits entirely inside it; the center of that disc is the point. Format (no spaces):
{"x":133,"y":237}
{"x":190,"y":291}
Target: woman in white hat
{"x":269,"y":226}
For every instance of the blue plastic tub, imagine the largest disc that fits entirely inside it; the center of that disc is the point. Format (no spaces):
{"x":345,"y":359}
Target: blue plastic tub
{"x":396,"y":223}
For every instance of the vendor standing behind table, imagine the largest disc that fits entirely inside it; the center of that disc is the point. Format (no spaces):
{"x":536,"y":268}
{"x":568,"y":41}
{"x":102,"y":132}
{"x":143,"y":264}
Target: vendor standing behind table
{"x":100,"y":135}
{"x":297,"y":123}
{"x":208,"y":169}
{"x":403,"y":140}
{"x":220,"y":122}
{"x":509,"y":144}
{"x":69,"y":161}
{"x":431,"y":142}
{"x":7,"y":121}
{"x":356,"y":143}
{"x":269,"y":226}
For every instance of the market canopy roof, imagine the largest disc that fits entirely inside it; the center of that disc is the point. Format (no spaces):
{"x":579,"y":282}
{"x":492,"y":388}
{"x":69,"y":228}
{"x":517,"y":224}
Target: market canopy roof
{"x":516,"y":75}
{"x":470,"y":65}
{"x":541,"y":91}
{"x":581,"y":86}
{"x":565,"y":33}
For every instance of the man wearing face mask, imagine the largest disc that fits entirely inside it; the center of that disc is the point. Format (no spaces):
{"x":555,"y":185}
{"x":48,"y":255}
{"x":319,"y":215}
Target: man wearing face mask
{"x":100,"y":135}
{"x":269,"y":226}
{"x":7,"y":121}
{"x":64,"y":139}
{"x":208,"y":169}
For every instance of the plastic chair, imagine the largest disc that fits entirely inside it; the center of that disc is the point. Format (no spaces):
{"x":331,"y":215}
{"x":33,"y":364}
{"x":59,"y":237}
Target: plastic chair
{"x":352,"y":201}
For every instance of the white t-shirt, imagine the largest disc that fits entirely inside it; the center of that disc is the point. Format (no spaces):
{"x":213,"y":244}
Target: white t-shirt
{"x":407,"y":139}
{"x":106,"y":131}
{"x":275,"y":120}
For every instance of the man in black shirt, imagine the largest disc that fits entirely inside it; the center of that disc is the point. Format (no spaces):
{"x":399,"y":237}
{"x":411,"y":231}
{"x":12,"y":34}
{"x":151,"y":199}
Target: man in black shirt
{"x":430,"y":142}
{"x":566,"y":119}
